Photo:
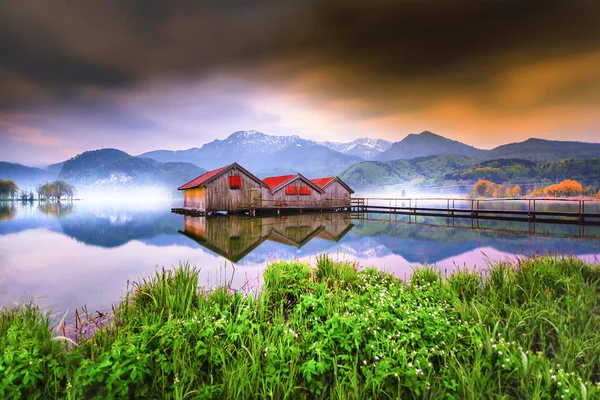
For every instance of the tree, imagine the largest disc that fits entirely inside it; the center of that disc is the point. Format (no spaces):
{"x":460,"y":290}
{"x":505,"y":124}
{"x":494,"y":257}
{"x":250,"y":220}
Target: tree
{"x":567,"y":187}
{"x":537,"y":191}
{"x":8,"y":189}
{"x":516,"y":191}
{"x":57,"y":190}
{"x":483,"y":188}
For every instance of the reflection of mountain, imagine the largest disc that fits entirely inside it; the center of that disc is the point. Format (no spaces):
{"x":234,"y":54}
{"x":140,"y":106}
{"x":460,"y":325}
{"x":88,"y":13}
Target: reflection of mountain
{"x":425,"y":243}
{"x":233,"y":237}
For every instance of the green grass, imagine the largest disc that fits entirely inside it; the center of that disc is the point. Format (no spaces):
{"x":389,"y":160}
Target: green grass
{"x":529,"y":329}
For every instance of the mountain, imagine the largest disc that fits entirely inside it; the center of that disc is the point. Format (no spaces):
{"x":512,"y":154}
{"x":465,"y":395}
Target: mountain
{"x":112,"y":167}
{"x":416,"y":170}
{"x":263,"y":155}
{"x":26,"y":177}
{"x":364,"y":148}
{"x":244,"y":147}
{"x":427,"y":144}
{"x":546,"y":150}
{"x":311,"y":160}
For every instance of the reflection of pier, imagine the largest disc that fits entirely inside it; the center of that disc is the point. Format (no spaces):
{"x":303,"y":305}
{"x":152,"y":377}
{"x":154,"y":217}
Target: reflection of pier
{"x":552,"y":211}
{"x":234,"y":236}
{"x":490,"y":226}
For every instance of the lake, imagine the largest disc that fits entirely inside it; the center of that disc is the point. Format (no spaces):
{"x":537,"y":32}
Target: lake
{"x":63,"y":256}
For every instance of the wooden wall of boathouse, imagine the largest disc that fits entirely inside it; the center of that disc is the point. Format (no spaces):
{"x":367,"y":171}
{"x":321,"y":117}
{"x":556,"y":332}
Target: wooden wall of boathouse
{"x":221,"y":197}
{"x":312,"y":200}
{"x":195,"y":199}
{"x":336,"y":195}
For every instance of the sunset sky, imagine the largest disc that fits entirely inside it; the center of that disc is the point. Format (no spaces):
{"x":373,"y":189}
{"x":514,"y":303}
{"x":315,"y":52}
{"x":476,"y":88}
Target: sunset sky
{"x":141,"y":75}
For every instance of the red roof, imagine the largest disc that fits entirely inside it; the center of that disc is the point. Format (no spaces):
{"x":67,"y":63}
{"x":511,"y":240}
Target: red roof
{"x":273,"y":181}
{"x":322,"y":182}
{"x":202,"y":178}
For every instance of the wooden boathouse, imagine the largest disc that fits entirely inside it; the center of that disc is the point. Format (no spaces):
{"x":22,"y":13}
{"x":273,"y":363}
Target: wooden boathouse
{"x":234,"y":189}
{"x":230,"y":188}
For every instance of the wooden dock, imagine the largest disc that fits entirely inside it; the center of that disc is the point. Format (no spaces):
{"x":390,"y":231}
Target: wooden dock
{"x":554,"y":211}
{"x":278,"y":207}
{"x":188,"y":211}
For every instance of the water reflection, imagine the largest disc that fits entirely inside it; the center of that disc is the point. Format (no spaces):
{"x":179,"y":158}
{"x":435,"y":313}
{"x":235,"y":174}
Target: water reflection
{"x":234,"y":237}
{"x":7,"y":211}
{"x":56,"y":209}
{"x":83,"y":253}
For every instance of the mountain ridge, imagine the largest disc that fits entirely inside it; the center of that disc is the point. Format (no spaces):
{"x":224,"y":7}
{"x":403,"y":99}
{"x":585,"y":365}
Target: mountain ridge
{"x":266,"y":154}
{"x":426,"y":144}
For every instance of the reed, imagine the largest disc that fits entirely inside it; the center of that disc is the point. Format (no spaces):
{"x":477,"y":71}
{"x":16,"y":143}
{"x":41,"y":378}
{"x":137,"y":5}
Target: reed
{"x":528,"y":328}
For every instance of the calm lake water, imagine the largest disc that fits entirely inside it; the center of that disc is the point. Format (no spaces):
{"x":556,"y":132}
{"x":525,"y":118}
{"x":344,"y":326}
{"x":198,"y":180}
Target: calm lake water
{"x":64,"y":256}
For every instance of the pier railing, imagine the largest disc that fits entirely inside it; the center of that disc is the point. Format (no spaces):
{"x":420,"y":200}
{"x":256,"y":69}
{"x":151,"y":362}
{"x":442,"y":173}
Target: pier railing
{"x":301,"y":204}
{"x":578,"y":211}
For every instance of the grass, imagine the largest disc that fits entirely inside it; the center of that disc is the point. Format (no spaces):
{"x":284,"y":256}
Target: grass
{"x":528,"y":329}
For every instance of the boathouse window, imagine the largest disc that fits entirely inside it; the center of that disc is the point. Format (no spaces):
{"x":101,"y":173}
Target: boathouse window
{"x":291,"y":190}
{"x":235,"y":182}
{"x":304,"y":190}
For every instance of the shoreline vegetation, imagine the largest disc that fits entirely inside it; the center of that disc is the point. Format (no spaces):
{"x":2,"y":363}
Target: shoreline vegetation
{"x":566,"y":189}
{"x":524,"y":328}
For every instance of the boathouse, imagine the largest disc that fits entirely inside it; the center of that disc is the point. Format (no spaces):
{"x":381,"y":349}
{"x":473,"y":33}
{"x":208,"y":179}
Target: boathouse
{"x":230,"y":188}
{"x":233,"y":189}
{"x":291,"y":191}
{"x":335,"y":191}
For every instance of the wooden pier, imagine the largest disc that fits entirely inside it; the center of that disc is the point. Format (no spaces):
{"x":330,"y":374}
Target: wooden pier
{"x":278,"y":207}
{"x":553,"y":211}
{"x":188,"y":211}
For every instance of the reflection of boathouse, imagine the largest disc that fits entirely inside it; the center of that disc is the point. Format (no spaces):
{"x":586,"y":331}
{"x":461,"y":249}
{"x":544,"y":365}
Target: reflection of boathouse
{"x":234,"y":189}
{"x":233,"y":237}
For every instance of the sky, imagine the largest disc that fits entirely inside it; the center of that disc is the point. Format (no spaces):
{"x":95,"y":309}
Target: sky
{"x":142,"y":75}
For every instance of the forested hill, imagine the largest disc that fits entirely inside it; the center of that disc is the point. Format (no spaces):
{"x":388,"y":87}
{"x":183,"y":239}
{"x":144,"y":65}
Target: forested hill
{"x":117,"y":168}
{"x":416,"y":170}
{"x":456,"y":169}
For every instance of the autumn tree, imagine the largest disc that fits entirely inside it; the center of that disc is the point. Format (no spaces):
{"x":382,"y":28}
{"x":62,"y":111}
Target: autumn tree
{"x":566,"y":188}
{"x":483,"y":188}
{"x":516,"y":191}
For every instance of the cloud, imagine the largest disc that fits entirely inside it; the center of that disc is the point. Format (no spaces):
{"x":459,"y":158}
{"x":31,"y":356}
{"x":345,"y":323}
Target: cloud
{"x":458,"y":44}
{"x":372,"y":63}
{"x":17,"y":131}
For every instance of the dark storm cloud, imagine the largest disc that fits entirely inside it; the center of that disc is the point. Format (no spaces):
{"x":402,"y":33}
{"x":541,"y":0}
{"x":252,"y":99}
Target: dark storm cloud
{"x":378,"y":47}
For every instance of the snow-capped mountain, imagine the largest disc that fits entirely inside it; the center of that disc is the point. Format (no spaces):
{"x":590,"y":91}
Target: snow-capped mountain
{"x":263,"y":154}
{"x":365,"y":148}
{"x":239,"y":146}
{"x":253,"y":142}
